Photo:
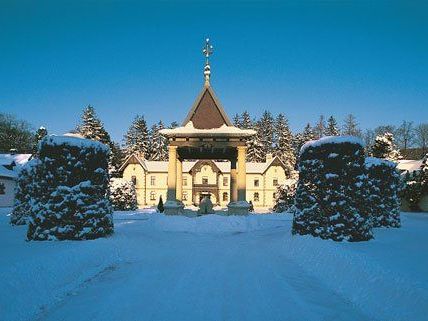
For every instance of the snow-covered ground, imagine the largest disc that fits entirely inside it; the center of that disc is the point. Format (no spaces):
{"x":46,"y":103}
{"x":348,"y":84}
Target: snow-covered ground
{"x":215,"y":268}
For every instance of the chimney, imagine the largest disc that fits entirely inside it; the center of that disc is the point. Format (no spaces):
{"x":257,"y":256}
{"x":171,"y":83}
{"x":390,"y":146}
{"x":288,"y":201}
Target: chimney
{"x":269,"y":157}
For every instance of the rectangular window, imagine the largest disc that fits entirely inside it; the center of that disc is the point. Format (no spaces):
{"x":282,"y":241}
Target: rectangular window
{"x":134,"y":180}
{"x":205,"y":180}
{"x":2,"y":189}
{"x":225,"y":198}
{"x":152,"y":196}
{"x":256,"y":183}
{"x":152,"y":180}
{"x":184,"y":196}
{"x":274,"y":195}
{"x":225,"y":181}
{"x":275,"y":182}
{"x":184,"y":181}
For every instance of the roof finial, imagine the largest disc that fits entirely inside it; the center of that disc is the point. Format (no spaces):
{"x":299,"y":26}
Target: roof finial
{"x":207,"y":51}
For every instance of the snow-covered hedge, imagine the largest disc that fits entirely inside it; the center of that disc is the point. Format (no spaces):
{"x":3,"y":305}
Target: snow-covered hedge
{"x":70,"y":200}
{"x":123,"y":196}
{"x":382,"y":198}
{"x":23,"y":192}
{"x":329,"y":191}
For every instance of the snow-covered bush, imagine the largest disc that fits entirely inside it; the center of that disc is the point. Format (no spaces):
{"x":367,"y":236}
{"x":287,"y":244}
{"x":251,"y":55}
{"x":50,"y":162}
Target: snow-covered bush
{"x":329,"y":190}
{"x":383,"y":200}
{"x":384,"y":147}
{"x":23,"y":191}
{"x":416,"y":185}
{"x":284,"y":196}
{"x":70,"y":199}
{"x":123,"y":196}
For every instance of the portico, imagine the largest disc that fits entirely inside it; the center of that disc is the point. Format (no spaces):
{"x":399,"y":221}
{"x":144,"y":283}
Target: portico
{"x":207,"y":133}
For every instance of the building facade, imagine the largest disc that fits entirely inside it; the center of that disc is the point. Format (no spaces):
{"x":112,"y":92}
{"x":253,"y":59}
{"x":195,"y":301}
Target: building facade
{"x":204,"y":178}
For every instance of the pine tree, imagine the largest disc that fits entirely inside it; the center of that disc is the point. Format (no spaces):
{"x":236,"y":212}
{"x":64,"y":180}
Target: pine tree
{"x":301,"y":138}
{"x":123,"y":196}
{"x":160,"y":206}
{"x":254,"y":146}
{"x":137,"y":139}
{"x":40,"y":134}
{"x":116,"y":159}
{"x":266,"y":134}
{"x":158,"y":143}
{"x":246,"y":122}
{"x":284,"y":143}
{"x":332,"y":127}
{"x":384,"y":147}
{"x":237,"y":121}
{"x":92,"y":127}
{"x":320,"y":128}
{"x":350,"y":127}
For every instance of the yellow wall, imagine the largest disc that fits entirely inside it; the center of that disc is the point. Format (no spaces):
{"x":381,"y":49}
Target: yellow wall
{"x":144,"y":187}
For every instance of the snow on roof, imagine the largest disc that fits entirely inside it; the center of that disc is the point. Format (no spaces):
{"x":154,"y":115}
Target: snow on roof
{"x":409,"y":165}
{"x":4,"y":172}
{"x":190,"y":130}
{"x":331,"y":140}
{"x":73,"y":141}
{"x":374,"y":161}
{"x":18,"y":159}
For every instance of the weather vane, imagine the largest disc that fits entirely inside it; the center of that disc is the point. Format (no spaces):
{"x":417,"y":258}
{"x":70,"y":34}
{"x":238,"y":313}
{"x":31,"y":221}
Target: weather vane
{"x":207,"y":51}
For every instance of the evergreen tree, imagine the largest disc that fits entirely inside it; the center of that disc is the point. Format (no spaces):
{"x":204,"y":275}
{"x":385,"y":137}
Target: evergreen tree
{"x":237,"y":121}
{"x":92,"y":127}
{"x":160,"y":205}
{"x":301,"y":138}
{"x":123,"y":196}
{"x":24,"y":190}
{"x":137,"y":139}
{"x":116,"y":159}
{"x":158,"y":143}
{"x":384,"y":147}
{"x":174,"y":124}
{"x":40,"y":134}
{"x":254,"y":146}
{"x":284,"y":197}
{"x":246,"y":122}
{"x":320,"y":128}
{"x":70,"y":199}
{"x":284,"y":143}
{"x":266,"y":133}
{"x":332,"y":127}
{"x":382,"y":198}
{"x":350,"y":126}
{"x":330,"y":189}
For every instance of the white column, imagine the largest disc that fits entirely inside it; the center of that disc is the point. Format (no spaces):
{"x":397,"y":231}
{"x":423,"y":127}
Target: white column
{"x":179,"y":194}
{"x":172,"y":173}
{"x":242,"y":173}
{"x":233,"y":181}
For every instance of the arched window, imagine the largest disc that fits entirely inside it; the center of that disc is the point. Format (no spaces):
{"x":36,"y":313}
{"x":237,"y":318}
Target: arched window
{"x":153,"y":196}
{"x":256,"y":197}
{"x":134,"y":180}
{"x":225,"y":198}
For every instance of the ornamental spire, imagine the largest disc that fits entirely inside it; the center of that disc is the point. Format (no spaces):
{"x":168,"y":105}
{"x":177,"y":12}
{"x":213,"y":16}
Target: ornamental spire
{"x":207,"y":51}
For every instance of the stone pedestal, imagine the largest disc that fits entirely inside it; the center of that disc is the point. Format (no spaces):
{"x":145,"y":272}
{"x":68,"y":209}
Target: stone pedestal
{"x":173,"y":207}
{"x":238,"y":208}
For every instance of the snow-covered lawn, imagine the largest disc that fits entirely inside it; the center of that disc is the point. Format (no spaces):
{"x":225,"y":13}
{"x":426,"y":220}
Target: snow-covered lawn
{"x":215,"y":268}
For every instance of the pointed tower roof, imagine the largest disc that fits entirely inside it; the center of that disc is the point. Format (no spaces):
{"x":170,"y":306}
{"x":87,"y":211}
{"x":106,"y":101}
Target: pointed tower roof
{"x":207,"y":117}
{"x":207,"y":111}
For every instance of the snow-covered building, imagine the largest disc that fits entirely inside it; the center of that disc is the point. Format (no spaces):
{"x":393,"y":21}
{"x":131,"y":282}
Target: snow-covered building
{"x":204,"y":178}
{"x":9,"y":166}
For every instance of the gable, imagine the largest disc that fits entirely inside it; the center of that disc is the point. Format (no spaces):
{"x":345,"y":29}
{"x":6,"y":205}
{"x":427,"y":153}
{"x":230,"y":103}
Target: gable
{"x":207,"y":112}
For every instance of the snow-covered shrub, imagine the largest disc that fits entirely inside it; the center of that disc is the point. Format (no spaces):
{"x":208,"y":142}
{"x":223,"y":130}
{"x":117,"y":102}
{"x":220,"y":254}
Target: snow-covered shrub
{"x":383,"y":200}
{"x":123,"y":196}
{"x":284,"y":196}
{"x":70,"y":199}
{"x":329,"y":190}
{"x":23,"y":191}
{"x":384,"y":147}
{"x":416,"y":186}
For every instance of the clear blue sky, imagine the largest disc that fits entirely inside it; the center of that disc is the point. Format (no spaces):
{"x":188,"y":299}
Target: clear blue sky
{"x":126,"y":58}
